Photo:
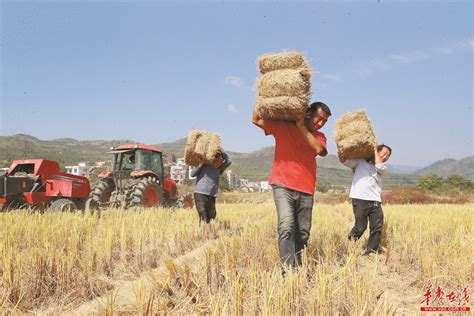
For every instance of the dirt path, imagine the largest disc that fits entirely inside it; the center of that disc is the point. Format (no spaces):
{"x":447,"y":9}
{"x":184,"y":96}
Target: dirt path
{"x":124,"y":294}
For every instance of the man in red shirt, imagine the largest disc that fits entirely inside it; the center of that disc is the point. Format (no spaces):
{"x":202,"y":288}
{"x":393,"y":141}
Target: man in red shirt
{"x":293,"y":175}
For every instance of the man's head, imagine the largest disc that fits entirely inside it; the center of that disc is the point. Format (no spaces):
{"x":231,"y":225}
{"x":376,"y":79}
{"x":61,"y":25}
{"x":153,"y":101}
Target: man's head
{"x":218,"y":160}
{"x":131,"y":159}
{"x":316,"y":116}
{"x":384,"y":152}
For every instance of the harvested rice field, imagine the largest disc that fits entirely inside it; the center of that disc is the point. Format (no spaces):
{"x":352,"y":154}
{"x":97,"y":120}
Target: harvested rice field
{"x":157,"y":261}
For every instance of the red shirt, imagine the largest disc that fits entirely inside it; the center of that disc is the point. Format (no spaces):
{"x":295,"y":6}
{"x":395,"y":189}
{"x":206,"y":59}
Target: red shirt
{"x":294,"y":166}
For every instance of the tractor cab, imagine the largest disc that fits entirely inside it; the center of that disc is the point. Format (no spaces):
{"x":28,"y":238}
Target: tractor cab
{"x":137,"y":160}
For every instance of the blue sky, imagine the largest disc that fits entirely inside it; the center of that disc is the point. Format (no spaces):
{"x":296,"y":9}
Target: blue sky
{"x":151,"y":71}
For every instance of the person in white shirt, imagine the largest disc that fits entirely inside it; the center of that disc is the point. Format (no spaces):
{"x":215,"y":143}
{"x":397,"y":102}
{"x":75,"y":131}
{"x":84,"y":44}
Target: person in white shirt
{"x":365,"y":193}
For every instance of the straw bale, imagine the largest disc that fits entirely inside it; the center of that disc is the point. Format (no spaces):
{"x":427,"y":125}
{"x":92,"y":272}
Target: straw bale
{"x":285,"y":60}
{"x":355,"y":138}
{"x":283,"y":108}
{"x":286,"y":82}
{"x":201,"y":147}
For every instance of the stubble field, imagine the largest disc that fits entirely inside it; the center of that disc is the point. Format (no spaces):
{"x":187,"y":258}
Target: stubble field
{"x":162,"y":261}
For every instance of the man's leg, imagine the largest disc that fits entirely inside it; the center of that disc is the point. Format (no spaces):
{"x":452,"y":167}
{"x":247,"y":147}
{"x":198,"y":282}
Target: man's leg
{"x":304,"y":212}
{"x":376,"y":226}
{"x":211,"y":209}
{"x":286,"y":224}
{"x":360,"y":214}
{"x":200,"y":202}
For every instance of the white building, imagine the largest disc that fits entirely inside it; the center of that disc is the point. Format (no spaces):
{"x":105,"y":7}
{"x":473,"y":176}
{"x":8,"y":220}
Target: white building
{"x":233,"y":179}
{"x":264,"y":186}
{"x":82,"y":169}
{"x":178,"y":171}
{"x":244,"y":182}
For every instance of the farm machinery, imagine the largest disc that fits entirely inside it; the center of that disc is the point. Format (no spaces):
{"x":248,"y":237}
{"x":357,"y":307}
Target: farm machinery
{"x":39,"y":184}
{"x":136,"y":179}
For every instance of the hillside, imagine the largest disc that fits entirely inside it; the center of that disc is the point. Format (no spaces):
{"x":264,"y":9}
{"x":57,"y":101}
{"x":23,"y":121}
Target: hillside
{"x":448,"y":167}
{"x":255,"y":165}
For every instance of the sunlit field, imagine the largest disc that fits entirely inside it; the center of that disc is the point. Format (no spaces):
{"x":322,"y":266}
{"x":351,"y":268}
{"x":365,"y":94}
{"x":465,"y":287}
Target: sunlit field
{"x":162,"y":261}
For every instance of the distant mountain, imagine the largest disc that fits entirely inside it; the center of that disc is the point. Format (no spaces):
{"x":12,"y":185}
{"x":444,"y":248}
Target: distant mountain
{"x":449,"y":167}
{"x":255,"y":165}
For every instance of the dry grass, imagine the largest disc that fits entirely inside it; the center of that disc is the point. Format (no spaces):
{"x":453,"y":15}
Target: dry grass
{"x":201,"y":147}
{"x":58,"y":260}
{"x":355,"y":138}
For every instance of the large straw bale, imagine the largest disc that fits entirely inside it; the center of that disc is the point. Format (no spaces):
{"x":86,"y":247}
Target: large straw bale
{"x":201,"y":147}
{"x":283,"y":89}
{"x":355,"y":138}
{"x":286,"y":60}
{"x":285,"y":82}
{"x":282,"y":108}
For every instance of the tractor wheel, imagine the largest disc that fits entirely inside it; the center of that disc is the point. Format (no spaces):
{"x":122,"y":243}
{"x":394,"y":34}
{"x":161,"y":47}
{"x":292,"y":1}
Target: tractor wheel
{"x":101,"y":194}
{"x":92,"y":206}
{"x":185,"y":201}
{"x":146,"y":193}
{"x":62,"y":205}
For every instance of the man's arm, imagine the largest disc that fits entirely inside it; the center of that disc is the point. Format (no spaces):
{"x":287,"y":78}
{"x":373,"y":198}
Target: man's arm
{"x":227,"y":162}
{"x":195,"y":171}
{"x":256,"y":119}
{"x":351,"y":163}
{"x":317,"y":147}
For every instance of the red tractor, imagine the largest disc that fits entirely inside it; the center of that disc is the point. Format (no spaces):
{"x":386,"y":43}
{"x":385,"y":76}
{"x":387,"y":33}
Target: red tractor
{"x":39,"y":184}
{"x":136,"y":180}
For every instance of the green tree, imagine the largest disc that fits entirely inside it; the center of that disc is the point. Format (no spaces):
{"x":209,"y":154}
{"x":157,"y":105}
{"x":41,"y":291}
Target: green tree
{"x":173,"y":158}
{"x":224,"y":182}
{"x":459,"y":182}
{"x":431,"y":182}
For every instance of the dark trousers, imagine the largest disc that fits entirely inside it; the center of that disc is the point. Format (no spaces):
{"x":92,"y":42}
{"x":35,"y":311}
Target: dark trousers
{"x":367,"y":211}
{"x":205,"y":206}
{"x":294,"y":210}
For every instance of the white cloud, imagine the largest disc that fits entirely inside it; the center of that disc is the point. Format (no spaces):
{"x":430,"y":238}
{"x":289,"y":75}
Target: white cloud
{"x":392,"y":60}
{"x":234,"y":81}
{"x":331,"y":77}
{"x":232,"y":108}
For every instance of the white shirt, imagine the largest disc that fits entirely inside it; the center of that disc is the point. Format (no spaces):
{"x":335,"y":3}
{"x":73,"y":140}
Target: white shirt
{"x":367,"y":180}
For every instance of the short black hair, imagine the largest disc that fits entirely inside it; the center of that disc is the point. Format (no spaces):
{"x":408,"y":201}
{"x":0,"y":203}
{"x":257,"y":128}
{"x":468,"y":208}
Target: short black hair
{"x":318,"y":105}
{"x":381,"y":146}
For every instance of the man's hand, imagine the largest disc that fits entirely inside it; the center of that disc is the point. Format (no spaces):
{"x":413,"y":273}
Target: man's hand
{"x":256,"y":119}
{"x":377,"y":157}
{"x":342,"y":157}
{"x":300,"y":120}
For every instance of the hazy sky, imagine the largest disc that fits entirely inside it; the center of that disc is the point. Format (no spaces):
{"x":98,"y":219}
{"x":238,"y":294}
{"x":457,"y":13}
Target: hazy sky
{"x":151,"y":71}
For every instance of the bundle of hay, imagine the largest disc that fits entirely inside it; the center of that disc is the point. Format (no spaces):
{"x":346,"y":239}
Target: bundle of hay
{"x":201,"y":147}
{"x":355,"y":138}
{"x":283,"y":89}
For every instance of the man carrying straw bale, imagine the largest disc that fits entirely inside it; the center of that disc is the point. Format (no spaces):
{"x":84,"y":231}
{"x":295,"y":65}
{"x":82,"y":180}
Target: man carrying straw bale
{"x":207,"y":185}
{"x":365,"y":193}
{"x":293,"y":176}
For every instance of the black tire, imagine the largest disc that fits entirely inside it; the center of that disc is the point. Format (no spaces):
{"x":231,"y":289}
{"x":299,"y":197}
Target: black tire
{"x":101,"y":193}
{"x":92,"y":206}
{"x":62,"y":205}
{"x":146,"y":193}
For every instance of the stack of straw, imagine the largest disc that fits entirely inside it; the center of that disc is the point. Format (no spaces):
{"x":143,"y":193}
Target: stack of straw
{"x":355,"y":138}
{"x":283,"y":89}
{"x":201,"y":147}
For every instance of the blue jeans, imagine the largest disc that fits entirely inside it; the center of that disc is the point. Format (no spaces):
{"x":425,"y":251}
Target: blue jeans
{"x":294,"y":211}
